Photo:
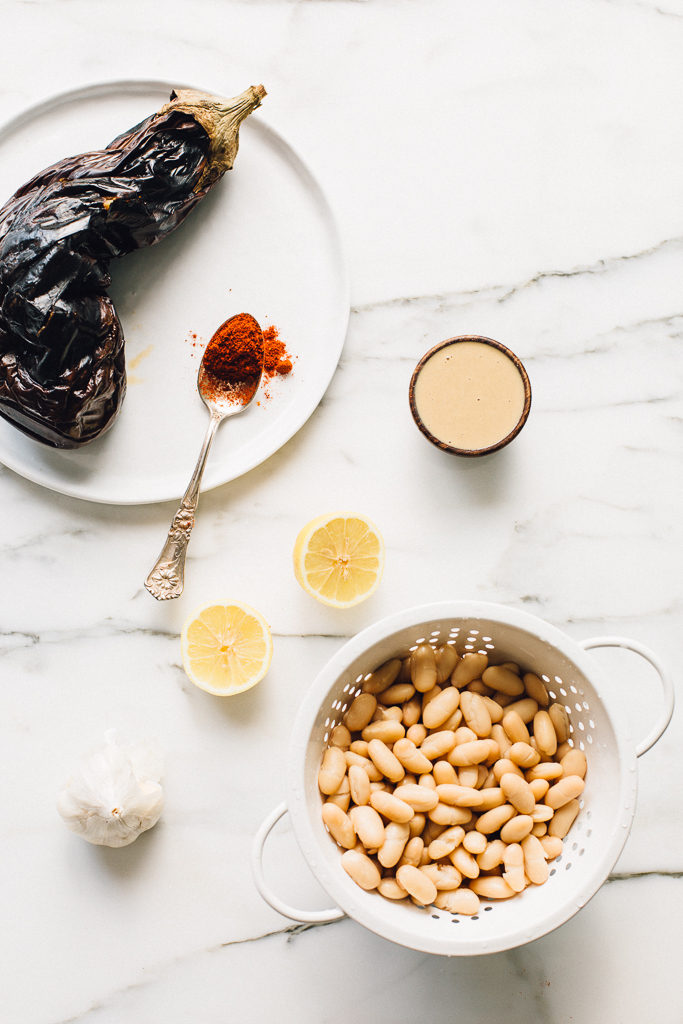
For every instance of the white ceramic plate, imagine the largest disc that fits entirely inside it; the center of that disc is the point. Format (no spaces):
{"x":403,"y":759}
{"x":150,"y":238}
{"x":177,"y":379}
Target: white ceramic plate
{"x":264,"y":242}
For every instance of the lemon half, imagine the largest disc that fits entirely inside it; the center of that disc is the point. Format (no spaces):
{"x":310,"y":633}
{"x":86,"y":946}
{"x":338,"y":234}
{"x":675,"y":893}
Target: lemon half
{"x":227,"y":648}
{"x":339,"y":559}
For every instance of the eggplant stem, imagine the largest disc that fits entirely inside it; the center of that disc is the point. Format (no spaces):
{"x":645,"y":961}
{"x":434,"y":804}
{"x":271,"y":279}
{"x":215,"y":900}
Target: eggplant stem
{"x":221,"y":119}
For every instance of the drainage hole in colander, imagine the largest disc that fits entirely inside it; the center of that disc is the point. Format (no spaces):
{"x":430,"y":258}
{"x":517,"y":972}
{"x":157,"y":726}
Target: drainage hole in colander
{"x":487,"y":908}
{"x":589,"y":833}
{"x":552,"y":872}
{"x":581,"y":852}
{"x":435,"y":917}
{"x":455,"y":920}
{"x":567,"y":866}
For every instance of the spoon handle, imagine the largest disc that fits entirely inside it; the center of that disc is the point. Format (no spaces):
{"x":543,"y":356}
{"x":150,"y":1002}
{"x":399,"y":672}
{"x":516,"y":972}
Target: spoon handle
{"x":167,"y":578}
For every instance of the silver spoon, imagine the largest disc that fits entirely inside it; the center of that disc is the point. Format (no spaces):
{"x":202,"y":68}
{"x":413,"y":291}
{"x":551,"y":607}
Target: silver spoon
{"x":166,"y":580}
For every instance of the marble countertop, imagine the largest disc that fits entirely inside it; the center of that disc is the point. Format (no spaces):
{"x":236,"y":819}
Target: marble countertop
{"x":512,"y":170}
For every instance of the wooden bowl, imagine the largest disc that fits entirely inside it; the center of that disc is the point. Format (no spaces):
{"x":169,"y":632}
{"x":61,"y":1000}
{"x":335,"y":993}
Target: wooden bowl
{"x":471,"y":452}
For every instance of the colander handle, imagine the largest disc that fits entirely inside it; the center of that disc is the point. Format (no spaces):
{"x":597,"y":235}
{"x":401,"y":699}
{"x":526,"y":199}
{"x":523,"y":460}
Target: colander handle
{"x":667,"y":685}
{"x":309,"y":916}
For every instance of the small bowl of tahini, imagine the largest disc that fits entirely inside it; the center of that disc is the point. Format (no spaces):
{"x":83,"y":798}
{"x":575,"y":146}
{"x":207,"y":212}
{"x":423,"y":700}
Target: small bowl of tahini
{"x":470,"y":395}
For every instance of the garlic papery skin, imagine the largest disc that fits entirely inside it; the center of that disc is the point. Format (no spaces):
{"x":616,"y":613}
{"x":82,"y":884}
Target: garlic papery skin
{"x":115,"y":793}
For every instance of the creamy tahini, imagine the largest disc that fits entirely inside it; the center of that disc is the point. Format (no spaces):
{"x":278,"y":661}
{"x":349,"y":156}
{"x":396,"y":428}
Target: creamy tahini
{"x":469,"y":395}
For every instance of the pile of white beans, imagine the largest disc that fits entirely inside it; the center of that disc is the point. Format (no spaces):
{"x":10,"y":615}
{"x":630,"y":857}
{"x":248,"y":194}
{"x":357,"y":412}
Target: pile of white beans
{"x":450,"y":780}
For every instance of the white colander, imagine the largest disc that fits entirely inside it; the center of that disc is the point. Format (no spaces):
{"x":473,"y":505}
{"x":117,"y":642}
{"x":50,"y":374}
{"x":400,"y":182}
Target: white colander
{"x":591,"y":849}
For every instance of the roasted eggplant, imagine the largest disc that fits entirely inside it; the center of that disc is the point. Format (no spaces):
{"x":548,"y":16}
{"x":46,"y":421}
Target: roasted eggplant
{"x":62,"y":365}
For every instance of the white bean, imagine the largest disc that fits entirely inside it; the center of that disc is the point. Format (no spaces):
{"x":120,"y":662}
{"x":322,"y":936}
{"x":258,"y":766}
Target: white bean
{"x":574,"y":763}
{"x":476,"y":714}
{"x":391,"y":890}
{"x":535,"y":864}
{"x":385,"y":761}
{"x":391,"y":807}
{"x":563,"y":819}
{"x":503,"y":680}
{"x":446,"y":660}
{"x":423,"y":669}
{"x":492,"y":887}
{"x":518,"y":792}
{"x":513,"y":859}
{"x":437,"y":744}
{"x":360,"y":712}
{"x":441,"y":707}
{"x":388,"y":731}
{"x":359,"y":784}
{"x":368,"y":825}
{"x":468,"y":669}
{"x":416,"y":884}
{"x":340,"y":825}
{"x":382,"y":678}
{"x":462,"y":901}
{"x":563,"y":791}
{"x":560,"y":719}
{"x":361,"y":869}
{"x":396,"y":836}
{"x":420,"y":798}
{"x":332,"y":770}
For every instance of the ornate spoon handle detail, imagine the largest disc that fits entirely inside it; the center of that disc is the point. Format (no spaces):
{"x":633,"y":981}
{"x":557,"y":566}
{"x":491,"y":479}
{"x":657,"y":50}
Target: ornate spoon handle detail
{"x":167,"y":578}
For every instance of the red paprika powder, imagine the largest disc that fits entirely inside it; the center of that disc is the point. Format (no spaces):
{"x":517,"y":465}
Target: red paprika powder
{"x":276,"y":359}
{"x":233,"y":359}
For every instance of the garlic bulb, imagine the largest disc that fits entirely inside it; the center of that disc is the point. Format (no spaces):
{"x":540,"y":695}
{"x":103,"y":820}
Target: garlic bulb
{"x":114,"y":795}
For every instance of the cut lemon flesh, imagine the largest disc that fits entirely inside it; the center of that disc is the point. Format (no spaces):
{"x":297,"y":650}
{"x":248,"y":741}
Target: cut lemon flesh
{"x":339,"y":559}
{"x":226,"y":648}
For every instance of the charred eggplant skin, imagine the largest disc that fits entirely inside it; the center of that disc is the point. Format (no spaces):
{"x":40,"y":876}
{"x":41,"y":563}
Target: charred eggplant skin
{"x":62,"y":363}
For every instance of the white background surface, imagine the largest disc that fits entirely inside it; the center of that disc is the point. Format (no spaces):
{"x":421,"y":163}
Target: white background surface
{"x":505,"y":169}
